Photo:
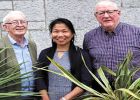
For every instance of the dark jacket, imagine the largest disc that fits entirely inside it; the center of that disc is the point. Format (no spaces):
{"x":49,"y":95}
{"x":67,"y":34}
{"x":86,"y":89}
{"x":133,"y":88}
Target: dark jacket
{"x":77,"y":66}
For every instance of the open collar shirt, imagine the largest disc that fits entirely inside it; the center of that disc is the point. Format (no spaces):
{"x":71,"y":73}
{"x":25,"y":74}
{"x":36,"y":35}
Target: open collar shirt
{"x":110,"y":49}
{"x":23,"y":58}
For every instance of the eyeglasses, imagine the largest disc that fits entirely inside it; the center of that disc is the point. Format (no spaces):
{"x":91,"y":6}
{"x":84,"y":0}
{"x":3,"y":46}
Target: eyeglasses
{"x":17,"y":22}
{"x":109,"y":12}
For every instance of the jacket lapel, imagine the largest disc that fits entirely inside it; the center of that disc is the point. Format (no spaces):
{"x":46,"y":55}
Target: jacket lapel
{"x":33,"y":52}
{"x":10,"y":52}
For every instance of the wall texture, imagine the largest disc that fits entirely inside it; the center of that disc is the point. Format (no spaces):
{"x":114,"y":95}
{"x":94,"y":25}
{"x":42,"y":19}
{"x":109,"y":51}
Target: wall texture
{"x":80,"y":12}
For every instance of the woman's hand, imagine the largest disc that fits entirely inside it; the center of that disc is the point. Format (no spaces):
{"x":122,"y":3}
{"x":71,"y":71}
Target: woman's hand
{"x":44,"y":95}
{"x":74,"y":93}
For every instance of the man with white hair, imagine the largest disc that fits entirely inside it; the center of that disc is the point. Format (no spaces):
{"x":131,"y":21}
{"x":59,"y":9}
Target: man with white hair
{"x":109,"y":43}
{"x":21,"y":51}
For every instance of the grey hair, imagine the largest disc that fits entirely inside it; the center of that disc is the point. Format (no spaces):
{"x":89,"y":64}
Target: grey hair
{"x":13,"y":14}
{"x":106,"y":3}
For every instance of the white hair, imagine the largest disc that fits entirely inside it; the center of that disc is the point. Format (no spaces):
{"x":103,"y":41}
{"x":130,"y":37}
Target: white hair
{"x":107,"y":3}
{"x":12,"y":14}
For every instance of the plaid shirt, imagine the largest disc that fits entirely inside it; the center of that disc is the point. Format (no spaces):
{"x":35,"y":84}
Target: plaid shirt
{"x":110,"y":49}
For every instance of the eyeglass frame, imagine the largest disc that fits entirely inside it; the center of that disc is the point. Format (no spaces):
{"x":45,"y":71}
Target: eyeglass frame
{"x":16,"y":22}
{"x":109,"y":12}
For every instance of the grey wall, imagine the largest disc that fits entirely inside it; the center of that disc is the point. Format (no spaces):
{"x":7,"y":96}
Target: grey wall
{"x":80,"y":12}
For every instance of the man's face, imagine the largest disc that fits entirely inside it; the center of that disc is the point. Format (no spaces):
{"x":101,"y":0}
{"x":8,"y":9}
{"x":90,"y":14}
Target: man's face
{"x":16,"y":26}
{"x":108,"y":17}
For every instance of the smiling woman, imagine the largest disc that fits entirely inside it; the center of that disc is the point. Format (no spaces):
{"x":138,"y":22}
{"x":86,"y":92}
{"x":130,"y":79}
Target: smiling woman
{"x":63,"y":51}
{"x":62,"y":36}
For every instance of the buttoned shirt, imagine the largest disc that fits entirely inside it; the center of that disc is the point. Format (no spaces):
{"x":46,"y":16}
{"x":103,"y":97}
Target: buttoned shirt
{"x":110,"y":49}
{"x":23,"y":58}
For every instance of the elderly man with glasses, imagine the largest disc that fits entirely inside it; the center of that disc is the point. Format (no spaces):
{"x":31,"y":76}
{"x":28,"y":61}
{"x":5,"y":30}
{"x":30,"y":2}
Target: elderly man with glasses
{"x":20,"y":56}
{"x":109,"y":43}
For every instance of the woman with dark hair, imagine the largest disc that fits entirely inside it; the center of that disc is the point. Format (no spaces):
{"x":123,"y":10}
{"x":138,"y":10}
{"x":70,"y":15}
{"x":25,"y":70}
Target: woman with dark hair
{"x":64,"y":52}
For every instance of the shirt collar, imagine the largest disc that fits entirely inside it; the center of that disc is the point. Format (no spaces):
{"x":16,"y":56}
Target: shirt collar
{"x":13,"y":42}
{"x":118,"y":28}
{"x":115,"y":32}
{"x":107,"y":33}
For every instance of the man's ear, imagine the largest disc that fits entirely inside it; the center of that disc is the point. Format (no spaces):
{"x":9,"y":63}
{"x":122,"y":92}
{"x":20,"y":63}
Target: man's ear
{"x":95,"y":15}
{"x":4,"y":27}
{"x":119,"y":12}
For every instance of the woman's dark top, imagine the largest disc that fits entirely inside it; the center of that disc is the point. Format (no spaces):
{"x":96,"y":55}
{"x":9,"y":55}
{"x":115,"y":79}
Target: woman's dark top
{"x":77,"y":69}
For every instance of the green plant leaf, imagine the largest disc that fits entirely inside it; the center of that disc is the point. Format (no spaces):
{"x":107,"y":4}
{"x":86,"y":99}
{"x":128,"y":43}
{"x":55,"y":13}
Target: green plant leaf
{"x":106,"y":82}
{"x":11,"y":77}
{"x":69,"y":76}
{"x":108,"y":70}
{"x":135,"y":84}
{"x":128,"y":92}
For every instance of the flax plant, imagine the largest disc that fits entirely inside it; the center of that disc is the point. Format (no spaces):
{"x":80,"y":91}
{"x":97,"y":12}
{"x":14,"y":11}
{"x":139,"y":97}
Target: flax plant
{"x":125,"y":87}
{"x":10,"y":79}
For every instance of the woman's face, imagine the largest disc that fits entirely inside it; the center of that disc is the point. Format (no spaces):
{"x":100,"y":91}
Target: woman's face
{"x":61,"y":34}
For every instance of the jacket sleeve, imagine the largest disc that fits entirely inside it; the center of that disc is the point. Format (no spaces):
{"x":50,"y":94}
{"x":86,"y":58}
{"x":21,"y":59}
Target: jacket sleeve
{"x":41,"y":81}
{"x":86,"y":77}
{"x":2,"y":57}
{"x":85,"y":43}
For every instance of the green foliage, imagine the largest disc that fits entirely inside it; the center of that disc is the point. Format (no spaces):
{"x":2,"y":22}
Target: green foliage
{"x":125,"y":88}
{"x":11,"y":77}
